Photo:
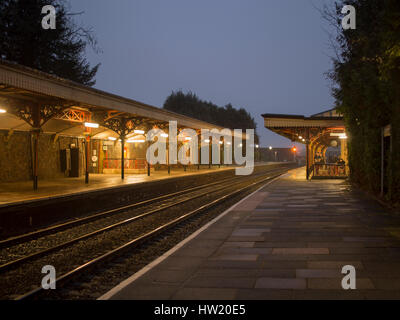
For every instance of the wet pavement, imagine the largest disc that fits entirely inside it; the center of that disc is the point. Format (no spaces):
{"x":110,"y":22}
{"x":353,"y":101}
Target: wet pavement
{"x":289,"y":240}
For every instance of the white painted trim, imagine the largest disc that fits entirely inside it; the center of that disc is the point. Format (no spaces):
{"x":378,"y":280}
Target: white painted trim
{"x":160,"y":259}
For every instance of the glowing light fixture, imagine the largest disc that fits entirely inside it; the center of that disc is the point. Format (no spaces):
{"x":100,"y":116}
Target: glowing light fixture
{"x":207,"y":141}
{"x":220,"y":142}
{"x":270,"y":148}
{"x":228,"y":143}
{"x":188,"y":138}
{"x":91,"y":125}
{"x":241,"y":145}
{"x":257,"y":146}
{"x":164,"y":135}
{"x":3,"y":111}
{"x":112,"y":139}
{"x":343,"y":137}
{"x":136,"y":141}
{"x":138,"y":131}
{"x":300,"y":137}
{"x":337,"y":134}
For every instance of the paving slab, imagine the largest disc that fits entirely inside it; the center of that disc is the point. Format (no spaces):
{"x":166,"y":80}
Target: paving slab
{"x":289,"y":240}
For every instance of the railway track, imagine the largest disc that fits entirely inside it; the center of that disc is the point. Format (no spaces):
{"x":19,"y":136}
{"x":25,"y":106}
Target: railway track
{"x":160,"y":214}
{"x":62,"y":226}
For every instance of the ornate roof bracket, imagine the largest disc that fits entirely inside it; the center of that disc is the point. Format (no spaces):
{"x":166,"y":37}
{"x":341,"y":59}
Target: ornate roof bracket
{"x":121,"y":123}
{"x":36,"y":114}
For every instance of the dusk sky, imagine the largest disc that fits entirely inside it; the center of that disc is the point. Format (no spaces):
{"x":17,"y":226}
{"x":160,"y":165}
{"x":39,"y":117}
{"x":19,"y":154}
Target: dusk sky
{"x":266,"y":56}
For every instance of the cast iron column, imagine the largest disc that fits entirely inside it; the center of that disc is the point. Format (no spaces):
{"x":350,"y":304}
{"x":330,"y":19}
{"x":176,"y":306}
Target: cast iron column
{"x":87,"y":160}
{"x":122,"y":156}
{"x":35,"y":135}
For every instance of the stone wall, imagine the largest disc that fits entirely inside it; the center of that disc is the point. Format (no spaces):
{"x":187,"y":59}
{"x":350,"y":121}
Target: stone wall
{"x":16,"y":156}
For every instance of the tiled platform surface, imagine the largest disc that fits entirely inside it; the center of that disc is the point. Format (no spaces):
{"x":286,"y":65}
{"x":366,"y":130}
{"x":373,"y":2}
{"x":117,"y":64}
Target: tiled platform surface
{"x":290,"y":240}
{"x":17,"y":192}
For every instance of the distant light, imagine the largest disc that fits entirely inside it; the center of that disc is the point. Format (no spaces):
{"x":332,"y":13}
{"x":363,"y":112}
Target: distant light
{"x":300,"y":137}
{"x":112,"y":139}
{"x":220,"y":142}
{"x":207,"y":141}
{"x":188,"y":138}
{"x":304,"y":140}
{"x":294,"y":149}
{"x":270,"y":148}
{"x":91,"y":125}
{"x":228,"y":143}
{"x":138,"y":131}
{"x":257,"y":146}
{"x":343,"y":137}
{"x":3,"y":111}
{"x":241,"y":145}
{"x":164,"y":135}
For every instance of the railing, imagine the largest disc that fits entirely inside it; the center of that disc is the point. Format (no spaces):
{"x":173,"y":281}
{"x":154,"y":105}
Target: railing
{"x":128,"y":164}
{"x":329,"y":170}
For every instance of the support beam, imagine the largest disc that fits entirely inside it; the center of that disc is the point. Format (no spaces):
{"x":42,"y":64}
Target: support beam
{"x":36,"y":120}
{"x":123,"y":157}
{"x":168,"y":160}
{"x":35,"y":159}
{"x":308,"y":154}
{"x":198,"y":149}
{"x":382,"y":162}
{"x":87,"y":160}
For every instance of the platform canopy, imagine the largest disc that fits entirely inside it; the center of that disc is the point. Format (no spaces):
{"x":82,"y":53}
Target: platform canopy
{"x":37,"y":100}
{"x":318,"y":132}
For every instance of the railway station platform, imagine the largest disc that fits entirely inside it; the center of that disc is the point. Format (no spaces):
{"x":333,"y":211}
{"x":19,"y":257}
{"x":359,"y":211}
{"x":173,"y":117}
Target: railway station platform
{"x":288,"y":240}
{"x":21,"y":192}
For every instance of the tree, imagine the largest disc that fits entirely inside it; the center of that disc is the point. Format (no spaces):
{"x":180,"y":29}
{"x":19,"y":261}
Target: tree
{"x":59,"y":52}
{"x":366,"y":73}
{"x":228,"y":117}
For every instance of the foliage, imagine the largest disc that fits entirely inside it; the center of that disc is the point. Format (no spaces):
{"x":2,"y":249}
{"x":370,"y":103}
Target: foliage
{"x":367,"y":76}
{"x":228,"y":117}
{"x":59,"y":52}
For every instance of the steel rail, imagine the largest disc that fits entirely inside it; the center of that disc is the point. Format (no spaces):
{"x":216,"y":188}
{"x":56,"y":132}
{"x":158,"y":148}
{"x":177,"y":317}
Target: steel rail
{"x":62,"y":226}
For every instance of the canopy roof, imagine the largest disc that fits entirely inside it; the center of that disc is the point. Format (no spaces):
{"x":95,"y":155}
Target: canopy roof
{"x":21,"y":87}
{"x":295,"y":126}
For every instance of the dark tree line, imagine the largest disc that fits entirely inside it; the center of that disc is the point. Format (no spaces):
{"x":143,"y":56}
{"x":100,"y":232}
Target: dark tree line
{"x":228,"y":117}
{"x":367,"y":87}
{"x":59,"y":52}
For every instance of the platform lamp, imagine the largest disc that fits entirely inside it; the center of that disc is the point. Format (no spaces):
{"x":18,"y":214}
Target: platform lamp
{"x":294,"y":149}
